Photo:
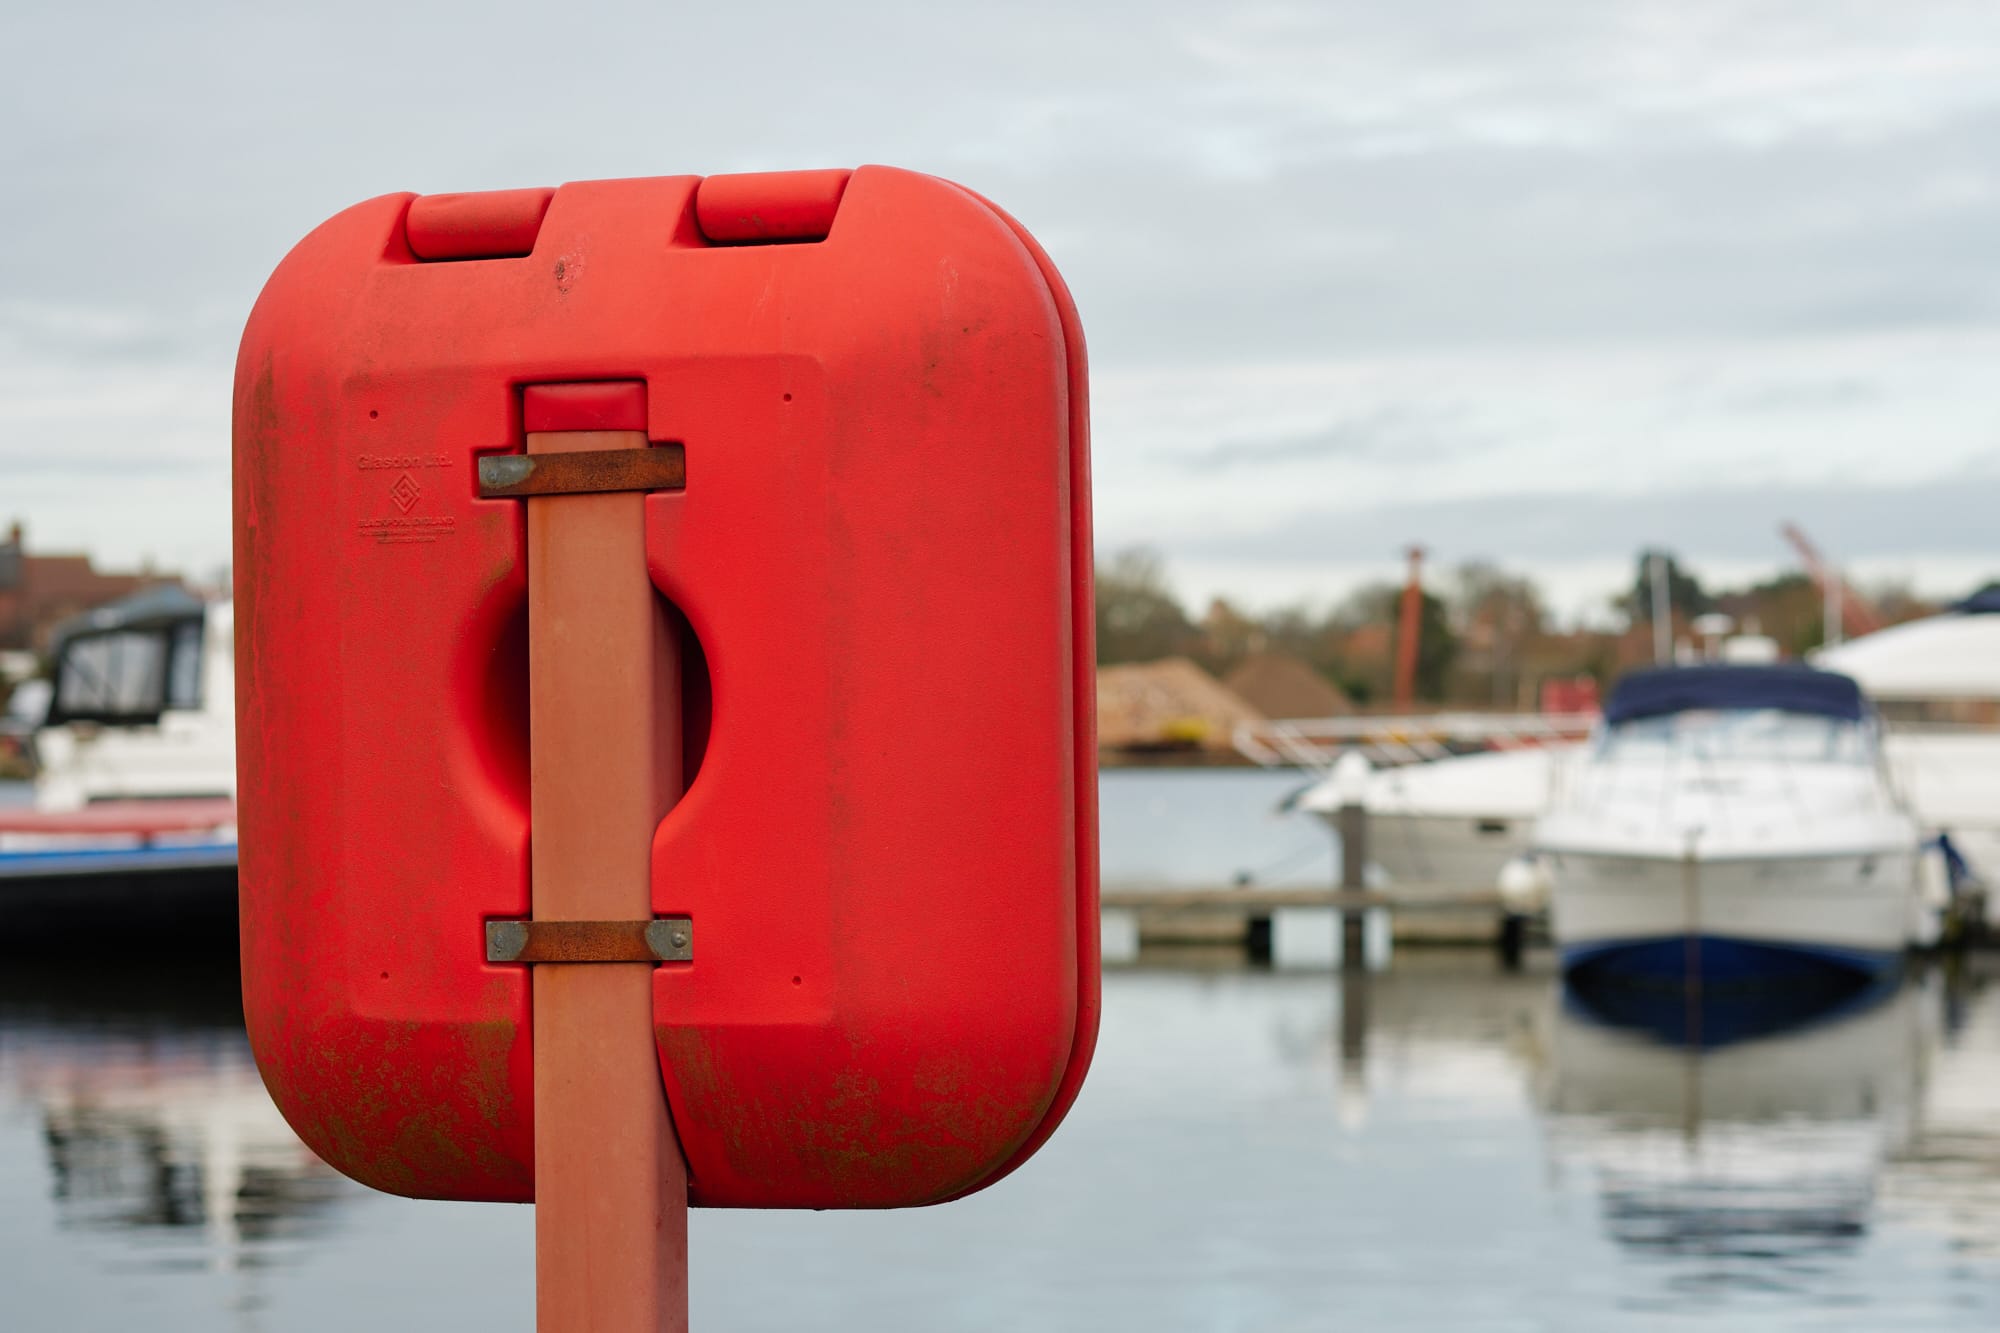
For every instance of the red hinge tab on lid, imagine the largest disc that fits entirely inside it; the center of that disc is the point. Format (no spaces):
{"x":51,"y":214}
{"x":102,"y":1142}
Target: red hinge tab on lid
{"x":492,"y":224}
{"x":769,"y":207}
{"x":589,"y":405}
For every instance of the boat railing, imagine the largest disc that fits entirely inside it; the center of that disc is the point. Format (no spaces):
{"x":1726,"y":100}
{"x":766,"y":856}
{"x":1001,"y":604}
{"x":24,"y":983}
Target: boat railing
{"x":141,"y":819}
{"x":1315,"y":743}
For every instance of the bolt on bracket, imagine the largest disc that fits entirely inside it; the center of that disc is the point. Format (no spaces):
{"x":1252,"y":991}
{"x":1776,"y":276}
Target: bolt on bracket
{"x":660,"y":467}
{"x":668,"y":939}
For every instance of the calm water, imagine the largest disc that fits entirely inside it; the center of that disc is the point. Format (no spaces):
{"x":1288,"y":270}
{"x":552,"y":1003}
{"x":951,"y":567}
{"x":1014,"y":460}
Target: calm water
{"x":1441,"y":1147}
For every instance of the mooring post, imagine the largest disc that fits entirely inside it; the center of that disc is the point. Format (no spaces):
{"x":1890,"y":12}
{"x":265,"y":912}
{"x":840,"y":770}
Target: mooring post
{"x":1350,"y":777}
{"x":1691,"y":944}
{"x":1354,"y":1027}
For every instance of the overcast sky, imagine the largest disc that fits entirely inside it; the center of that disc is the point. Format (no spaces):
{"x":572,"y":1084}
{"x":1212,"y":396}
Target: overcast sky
{"x":1540,"y":282}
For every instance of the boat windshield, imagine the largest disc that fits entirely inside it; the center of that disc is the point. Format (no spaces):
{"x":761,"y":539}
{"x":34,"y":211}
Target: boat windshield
{"x":1756,"y":734}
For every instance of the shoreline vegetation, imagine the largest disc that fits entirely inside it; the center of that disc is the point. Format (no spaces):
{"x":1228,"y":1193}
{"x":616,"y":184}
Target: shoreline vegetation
{"x":1173,"y":685}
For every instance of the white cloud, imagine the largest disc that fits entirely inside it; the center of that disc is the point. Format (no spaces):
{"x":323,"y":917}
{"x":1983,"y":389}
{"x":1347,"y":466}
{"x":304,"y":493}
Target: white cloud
{"x":1338,"y":262}
{"x":1606,"y":425}
{"x":1586,"y":75}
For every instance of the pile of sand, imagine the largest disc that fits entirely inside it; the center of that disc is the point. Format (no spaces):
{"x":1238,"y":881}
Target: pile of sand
{"x":1281,"y":685}
{"x":1171,"y":703}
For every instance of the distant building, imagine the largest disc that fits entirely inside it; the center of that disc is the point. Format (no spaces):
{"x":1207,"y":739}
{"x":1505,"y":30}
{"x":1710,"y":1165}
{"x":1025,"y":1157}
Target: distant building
{"x":1282,"y":685}
{"x":39,"y":592}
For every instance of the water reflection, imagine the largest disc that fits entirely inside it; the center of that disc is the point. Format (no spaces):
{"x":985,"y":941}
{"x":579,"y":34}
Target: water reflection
{"x":152,"y":1116}
{"x":1444,"y":1146}
{"x":1752,"y":1156}
{"x":1741,"y":1136}
{"x":1946,"y":1179}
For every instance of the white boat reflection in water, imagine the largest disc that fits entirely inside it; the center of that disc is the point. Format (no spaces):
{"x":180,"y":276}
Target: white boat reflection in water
{"x":1742,"y":1137}
{"x":155,"y":1120}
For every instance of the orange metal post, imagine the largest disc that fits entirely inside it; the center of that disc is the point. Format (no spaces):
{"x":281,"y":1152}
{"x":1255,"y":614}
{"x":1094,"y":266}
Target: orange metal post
{"x":604,"y":716}
{"x":1408,"y":628}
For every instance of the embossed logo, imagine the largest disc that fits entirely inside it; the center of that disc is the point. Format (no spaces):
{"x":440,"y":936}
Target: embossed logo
{"x":405,"y":492}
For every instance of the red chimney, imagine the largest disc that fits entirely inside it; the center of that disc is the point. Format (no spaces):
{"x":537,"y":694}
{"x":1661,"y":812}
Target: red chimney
{"x":1408,"y":631}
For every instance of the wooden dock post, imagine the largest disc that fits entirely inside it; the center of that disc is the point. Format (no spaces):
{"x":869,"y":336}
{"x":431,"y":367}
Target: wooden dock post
{"x":1353,"y":1023}
{"x":1350,"y":776}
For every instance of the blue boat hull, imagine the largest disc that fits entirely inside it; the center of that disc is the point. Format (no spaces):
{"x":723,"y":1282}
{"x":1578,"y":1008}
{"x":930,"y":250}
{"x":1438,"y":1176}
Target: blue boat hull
{"x":1717,"y":958}
{"x":107,"y":898}
{"x":1707,"y":1015}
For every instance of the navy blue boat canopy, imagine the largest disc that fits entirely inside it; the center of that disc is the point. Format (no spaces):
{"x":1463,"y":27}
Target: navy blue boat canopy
{"x":1985,"y":602}
{"x":1792,"y":689}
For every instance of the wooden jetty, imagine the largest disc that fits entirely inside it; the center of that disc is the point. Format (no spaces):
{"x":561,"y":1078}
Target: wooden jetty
{"x":1295,"y":924}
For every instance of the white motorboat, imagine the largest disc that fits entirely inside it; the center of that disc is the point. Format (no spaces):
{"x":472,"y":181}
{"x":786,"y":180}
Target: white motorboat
{"x":1937,"y":683}
{"x":1939,"y":669}
{"x":144,"y":705}
{"x":1467,"y":821}
{"x":1450,"y":823}
{"x":136,"y":755}
{"x":1731,"y":821}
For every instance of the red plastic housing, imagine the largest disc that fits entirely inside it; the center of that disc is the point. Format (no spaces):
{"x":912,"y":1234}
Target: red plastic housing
{"x":883,"y":561}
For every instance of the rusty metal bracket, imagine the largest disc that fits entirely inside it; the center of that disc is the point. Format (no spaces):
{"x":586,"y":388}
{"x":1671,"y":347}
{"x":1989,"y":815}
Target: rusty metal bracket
{"x":659,"y":467}
{"x":668,"y":939}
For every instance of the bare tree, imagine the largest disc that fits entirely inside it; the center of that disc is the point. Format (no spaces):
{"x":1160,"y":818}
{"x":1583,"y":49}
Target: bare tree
{"x":1138,"y":618}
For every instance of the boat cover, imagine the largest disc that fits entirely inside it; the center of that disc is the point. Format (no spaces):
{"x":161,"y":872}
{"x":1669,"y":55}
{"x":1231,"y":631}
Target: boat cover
{"x":149,"y":608}
{"x":1790,"y":688}
{"x":1985,"y":602}
{"x":1951,"y":656}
